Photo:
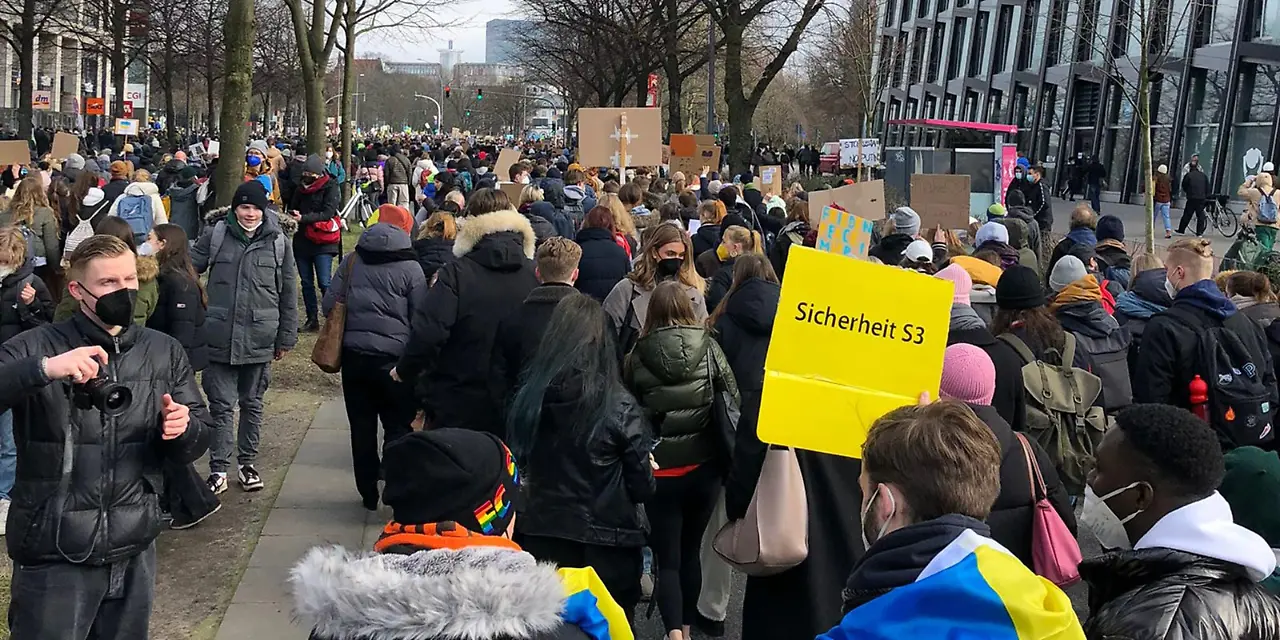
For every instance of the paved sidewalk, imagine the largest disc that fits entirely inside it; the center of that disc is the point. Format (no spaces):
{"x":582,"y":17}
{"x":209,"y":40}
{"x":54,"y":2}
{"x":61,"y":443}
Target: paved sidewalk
{"x":317,"y":505}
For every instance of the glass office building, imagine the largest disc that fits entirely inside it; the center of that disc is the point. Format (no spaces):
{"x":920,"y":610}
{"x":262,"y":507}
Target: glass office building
{"x":1054,"y":69}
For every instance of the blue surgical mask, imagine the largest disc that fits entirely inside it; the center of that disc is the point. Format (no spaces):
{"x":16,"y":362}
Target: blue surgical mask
{"x":253,"y":161}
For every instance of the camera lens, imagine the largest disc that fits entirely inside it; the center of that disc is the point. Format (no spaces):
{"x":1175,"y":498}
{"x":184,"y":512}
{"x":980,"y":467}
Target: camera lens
{"x":116,"y":400}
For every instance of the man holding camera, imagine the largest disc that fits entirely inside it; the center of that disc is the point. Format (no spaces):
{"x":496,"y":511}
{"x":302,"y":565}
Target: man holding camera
{"x":99,"y":404}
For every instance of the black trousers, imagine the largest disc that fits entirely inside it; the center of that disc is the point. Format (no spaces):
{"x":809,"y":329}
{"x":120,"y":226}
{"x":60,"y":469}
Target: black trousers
{"x":61,"y":600}
{"x":679,"y":512}
{"x":1194,"y":206}
{"x":186,"y":495}
{"x":371,"y":395}
{"x":619,"y":568}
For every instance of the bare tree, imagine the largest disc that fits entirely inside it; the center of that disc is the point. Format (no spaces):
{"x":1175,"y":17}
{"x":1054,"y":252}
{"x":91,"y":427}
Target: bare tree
{"x":780,"y":25}
{"x":237,"y":91}
{"x":316,"y":29}
{"x":20,"y":22}
{"x":846,"y":79}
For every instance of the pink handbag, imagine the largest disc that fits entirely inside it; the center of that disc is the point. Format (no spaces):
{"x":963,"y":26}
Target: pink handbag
{"x":1055,"y":554}
{"x":773,"y":536}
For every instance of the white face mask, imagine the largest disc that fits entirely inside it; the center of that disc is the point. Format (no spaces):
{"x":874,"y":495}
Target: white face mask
{"x":145,"y":249}
{"x":248,"y":229}
{"x":524,"y":178}
{"x":1170,"y":289}
{"x":328,"y":155}
{"x":1105,"y":524}
{"x":862,"y":520}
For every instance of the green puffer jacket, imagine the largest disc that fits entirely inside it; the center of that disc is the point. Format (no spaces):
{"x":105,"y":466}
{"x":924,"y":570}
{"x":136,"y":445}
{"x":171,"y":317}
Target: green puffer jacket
{"x":669,"y":371}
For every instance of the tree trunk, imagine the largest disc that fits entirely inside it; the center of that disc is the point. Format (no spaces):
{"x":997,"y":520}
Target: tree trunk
{"x":237,"y":89}
{"x":118,"y":59}
{"x":26,"y":75}
{"x":348,"y":91}
{"x":210,"y":82}
{"x":741,"y":109}
{"x":675,"y":91}
{"x":170,"y":111}
{"x":313,"y":92}
{"x":1144,"y":126}
{"x":642,"y":90}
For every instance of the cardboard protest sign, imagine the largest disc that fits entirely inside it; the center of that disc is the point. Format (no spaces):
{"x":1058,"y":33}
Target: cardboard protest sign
{"x":506,"y":158}
{"x":705,"y":156}
{"x":14,"y":152}
{"x":770,"y":180}
{"x":95,"y":106}
{"x":512,"y":189}
{"x":941,"y":200}
{"x":683,"y":145}
{"x":126,"y":127}
{"x":65,"y":144}
{"x":842,"y":357}
{"x":214,"y":146}
{"x":844,"y":233}
{"x":866,"y":199}
{"x":602,"y":137}
{"x":704,"y":140}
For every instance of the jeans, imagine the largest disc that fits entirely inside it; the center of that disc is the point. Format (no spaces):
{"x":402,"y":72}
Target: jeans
{"x":1162,"y":210}
{"x":370,"y":395}
{"x":226,"y":386}
{"x":678,"y":513}
{"x":8,"y":455}
{"x":1095,"y":197}
{"x":313,"y":270}
{"x":61,"y":600}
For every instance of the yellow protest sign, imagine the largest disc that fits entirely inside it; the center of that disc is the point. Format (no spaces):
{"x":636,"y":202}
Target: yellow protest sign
{"x":841,"y":357}
{"x":845,"y":234}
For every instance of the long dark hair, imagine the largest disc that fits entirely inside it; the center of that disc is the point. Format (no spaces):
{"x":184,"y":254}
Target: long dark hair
{"x":176,"y":255}
{"x":576,"y":351}
{"x":746,"y":267}
{"x":1042,"y":329}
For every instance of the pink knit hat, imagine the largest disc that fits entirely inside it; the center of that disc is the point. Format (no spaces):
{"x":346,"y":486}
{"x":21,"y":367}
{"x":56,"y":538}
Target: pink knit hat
{"x":963,"y":281}
{"x":968,"y":374}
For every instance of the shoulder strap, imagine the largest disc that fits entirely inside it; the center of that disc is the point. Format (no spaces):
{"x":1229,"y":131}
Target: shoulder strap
{"x":1069,"y":352}
{"x":215,"y":241}
{"x":1038,"y":489}
{"x":1019,"y":346}
{"x":346,"y":276}
{"x":1192,"y":320}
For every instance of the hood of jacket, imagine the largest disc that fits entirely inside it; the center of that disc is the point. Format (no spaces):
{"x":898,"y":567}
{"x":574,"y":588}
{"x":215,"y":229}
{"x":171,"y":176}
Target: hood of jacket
{"x":673,"y":353}
{"x":1087,"y":318}
{"x":1085,"y":289}
{"x":980,"y":271}
{"x":174,"y":166}
{"x":964,"y":318}
{"x":383,"y":242}
{"x":180,"y":191}
{"x":1083,"y":235}
{"x":478,"y":593}
{"x":574,"y":192}
{"x":553,"y":192}
{"x":1206,"y":528}
{"x":1207,"y":296}
{"x":142,"y":189}
{"x":754,"y":305}
{"x":1008,"y":255}
{"x":500,"y":238}
{"x":148,"y":269}
{"x":1114,"y":254}
{"x":24,"y":270}
{"x":899,"y":557}
{"x":1148,"y":287}
{"x":891,"y":247}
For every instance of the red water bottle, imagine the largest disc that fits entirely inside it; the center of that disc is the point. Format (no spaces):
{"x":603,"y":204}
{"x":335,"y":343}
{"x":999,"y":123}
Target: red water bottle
{"x":1199,"y":398}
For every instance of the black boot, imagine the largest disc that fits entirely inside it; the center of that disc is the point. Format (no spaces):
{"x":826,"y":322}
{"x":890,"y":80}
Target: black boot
{"x":312,"y":325}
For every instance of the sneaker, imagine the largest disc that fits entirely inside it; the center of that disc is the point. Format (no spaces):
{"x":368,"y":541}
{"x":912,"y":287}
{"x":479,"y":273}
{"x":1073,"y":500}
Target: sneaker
{"x":4,"y":515}
{"x":217,"y":483}
{"x":709,"y":627}
{"x":311,"y":326}
{"x":1167,"y":234}
{"x":249,"y":478}
{"x":182,"y":523}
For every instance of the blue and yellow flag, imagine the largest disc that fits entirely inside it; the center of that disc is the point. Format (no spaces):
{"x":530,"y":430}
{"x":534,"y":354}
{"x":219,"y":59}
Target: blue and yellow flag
{"x":591,"y":608}
{"x":973,"y":589}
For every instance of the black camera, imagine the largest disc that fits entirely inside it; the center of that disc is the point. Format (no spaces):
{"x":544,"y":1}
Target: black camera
{"x":103,"y":394}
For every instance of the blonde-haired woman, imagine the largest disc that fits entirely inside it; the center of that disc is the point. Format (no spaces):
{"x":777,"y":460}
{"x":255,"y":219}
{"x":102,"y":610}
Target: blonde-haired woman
{"x":530,"y":197}
{"x":675,"y":371}
{"x":29,"y":210}
{"x":667,"y":255}
{"x":623,"y":222}
{"x":734,"y":242}
{"x":1260,"y":191}
{"x":434,"y":245}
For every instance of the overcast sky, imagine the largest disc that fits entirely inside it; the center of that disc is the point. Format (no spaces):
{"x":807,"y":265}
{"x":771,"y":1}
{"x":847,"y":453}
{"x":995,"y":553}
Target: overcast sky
{"x":468,"y":35}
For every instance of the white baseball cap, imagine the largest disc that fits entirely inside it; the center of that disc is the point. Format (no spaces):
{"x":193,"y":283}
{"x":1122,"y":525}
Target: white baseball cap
{"x":1268,"y":166}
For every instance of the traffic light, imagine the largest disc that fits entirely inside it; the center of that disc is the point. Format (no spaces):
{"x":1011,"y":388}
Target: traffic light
{"x":447,"y":88}
{"x":468,"y":113}
{"x":479,"y":94}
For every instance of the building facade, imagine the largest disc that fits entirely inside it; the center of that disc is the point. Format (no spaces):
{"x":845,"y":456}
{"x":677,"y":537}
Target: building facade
{"x":1063,"y":72}
{"x":65,"y":74}
{"x":501,"y":40}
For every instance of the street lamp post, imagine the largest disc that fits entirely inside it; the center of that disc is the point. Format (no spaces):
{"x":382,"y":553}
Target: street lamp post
{"x":439,"y":109}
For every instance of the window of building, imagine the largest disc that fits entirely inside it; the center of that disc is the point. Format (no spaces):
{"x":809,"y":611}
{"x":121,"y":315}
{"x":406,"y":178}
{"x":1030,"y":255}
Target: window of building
{"x":917,"y":55}
{"x":889,"y":15}
{"x":978,"y":46}
{"x":995,"y":106}
{"x":906,"y":10}
{"x":922,"y":9}
{"x":1266,"y":20}
{"x":972,"y":102}
{"x":1051,"y":122}
{"x":1056,"y":29}
{"x":1252,"y":126}
{"x":1224,"y":20}
{"x":935,"y":51}
{"x":1102,"y":31}
{"x":1164,"y":98}
{"x":1126,"y":38}
{"x":1004,"y":25}
{"x":1201,"y":33}
{"x":1119,"y":137}
{"x":1029,"y":51}
{"x":1177,"y":25}
{"x":899,"y":59}
{"x":949,"y":107}
{"x":955,"y":53}
{"x":943,"y":5}
{"x":1208,"y":90}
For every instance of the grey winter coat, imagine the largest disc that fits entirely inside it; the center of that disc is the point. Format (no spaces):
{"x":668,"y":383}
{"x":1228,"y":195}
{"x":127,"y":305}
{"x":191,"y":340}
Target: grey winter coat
{"x":379,"y":291}
{"x":252,"y":290}
{"x":184,"y":211}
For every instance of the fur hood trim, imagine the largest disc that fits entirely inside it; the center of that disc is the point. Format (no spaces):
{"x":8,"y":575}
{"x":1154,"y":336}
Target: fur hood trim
{"x":288,"y":225}
{"x":472,"y":229}
{"x":148,"y":268}
{"x":475,"y":593}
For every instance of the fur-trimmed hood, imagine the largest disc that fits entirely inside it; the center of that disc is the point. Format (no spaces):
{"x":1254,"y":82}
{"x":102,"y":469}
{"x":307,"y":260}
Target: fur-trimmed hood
{"x":473,"y":231}
{"x":148,"y":268}
{"x":476,"y":593}
{"x":288,"y":225}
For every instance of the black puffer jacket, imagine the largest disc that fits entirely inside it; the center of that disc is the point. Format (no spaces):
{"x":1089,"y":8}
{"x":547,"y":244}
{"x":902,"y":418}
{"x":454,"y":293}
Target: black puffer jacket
{"x":1162,"y":594}
{"x":383,"y":278}
{"x":316,"y":204}
{"x":604,"y":263}
{"x":588,"y":492}
{"x":720,"y":283}
{"x":111,"y":509}
{"x":433,"y":253}
{"x":542,"y":227}
{"x":452,"y":333}
{"x":706,"y":238}
{"x":520,"y":333}
{"x":180,"y":313}
{"x":670,"y":372}
{"x":1010,"y":399}
{"x":17,"y":316}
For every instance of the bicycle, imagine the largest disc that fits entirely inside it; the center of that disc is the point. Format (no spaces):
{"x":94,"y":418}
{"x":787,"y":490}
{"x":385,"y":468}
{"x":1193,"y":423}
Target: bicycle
{"x":358,"y":210}
{"x":1226,"y":221}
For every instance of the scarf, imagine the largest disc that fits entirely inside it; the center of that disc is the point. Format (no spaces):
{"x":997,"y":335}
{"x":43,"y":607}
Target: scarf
{"x":1085,"y":289}
{"x":1243,"y":302}
{"x":964,"y":318}
{"x":317,"y":185}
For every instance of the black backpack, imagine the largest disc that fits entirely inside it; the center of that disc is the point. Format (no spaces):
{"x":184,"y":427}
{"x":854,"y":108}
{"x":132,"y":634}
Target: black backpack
{"x":1240,"y":404}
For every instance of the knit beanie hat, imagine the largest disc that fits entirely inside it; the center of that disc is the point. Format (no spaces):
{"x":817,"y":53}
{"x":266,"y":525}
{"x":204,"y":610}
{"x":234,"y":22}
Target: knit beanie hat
{"x":1110,"y":228}
{"x":396,"y":216}
{"x":1251,"y":485}
{"x":992,"y":231}
{"x":452,"y":475}
{"x":1019,"y":288}
{"x":714,"y":187}
{"x":906,"y":220}
{"x":996,"y":210}
{"x":74,"y":161}
{"x":119,"y":170}
{"x":967,"y":374}
{"x":188,"y":173}
{"x":961,"y":279}
{"x":1067,"y":270}
{"x":251,"y":192}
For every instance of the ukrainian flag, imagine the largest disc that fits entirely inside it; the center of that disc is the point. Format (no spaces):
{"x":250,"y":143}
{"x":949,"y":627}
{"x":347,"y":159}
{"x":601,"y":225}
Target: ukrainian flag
{"x":973,"y":590}
{"x":590,"y":607}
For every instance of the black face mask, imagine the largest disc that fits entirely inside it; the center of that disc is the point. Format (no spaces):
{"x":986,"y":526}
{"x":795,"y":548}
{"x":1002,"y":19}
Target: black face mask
{"x":668,"y":268}
{"x":114,"y":309}
{"x":309,"y":179}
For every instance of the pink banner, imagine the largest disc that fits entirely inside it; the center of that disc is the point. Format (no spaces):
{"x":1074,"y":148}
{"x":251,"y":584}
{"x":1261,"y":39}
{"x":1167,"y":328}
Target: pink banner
{"x":1008,"y":161}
